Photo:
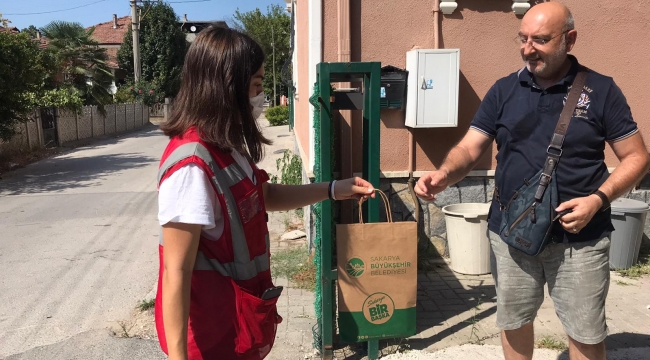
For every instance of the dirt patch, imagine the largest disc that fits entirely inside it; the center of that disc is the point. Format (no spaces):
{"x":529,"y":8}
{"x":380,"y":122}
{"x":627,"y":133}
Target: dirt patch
{"x":140,"y":325}
{"x":20,"y":159}
{"x":156,"y":120}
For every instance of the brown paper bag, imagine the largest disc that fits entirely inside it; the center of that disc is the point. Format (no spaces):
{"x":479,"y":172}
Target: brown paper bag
{"x":377,"y":278}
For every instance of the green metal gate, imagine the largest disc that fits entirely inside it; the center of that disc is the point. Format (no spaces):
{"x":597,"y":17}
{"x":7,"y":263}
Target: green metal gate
{"x":369,"y":73}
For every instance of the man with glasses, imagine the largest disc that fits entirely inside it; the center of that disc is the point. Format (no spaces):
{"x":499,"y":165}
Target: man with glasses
{"x":520,"y":112}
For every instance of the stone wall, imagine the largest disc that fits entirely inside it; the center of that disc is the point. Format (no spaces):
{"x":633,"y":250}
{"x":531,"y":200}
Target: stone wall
{"x":28,"y":136}
{"x":471,"y":190}
{"x":91,"y":123}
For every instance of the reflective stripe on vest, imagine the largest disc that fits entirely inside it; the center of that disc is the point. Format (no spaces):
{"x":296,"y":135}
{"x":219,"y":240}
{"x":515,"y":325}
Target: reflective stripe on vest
{"x":259,"y":263}
{"x":242,"y":268}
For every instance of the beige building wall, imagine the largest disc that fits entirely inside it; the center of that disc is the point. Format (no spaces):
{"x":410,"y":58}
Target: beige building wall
{"x":612,"y":39}
{"x":303,"y":88}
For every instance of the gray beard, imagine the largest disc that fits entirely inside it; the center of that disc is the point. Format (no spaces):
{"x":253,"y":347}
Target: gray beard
{"x":552,"y":63}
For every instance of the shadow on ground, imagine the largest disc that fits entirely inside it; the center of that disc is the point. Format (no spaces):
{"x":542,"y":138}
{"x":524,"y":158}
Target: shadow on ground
{"x":67,"y":171}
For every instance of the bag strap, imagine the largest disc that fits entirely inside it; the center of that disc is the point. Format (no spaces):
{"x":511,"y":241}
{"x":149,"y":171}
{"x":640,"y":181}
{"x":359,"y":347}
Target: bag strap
{"x":554,"y":150}
{"x":389,"y":214}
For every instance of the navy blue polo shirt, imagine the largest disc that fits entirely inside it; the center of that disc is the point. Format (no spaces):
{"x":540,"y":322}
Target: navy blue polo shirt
{"x":521,"y":117}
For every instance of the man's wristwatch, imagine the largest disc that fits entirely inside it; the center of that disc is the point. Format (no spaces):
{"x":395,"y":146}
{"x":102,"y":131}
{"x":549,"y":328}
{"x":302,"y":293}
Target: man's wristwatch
{"x":604,"y":199}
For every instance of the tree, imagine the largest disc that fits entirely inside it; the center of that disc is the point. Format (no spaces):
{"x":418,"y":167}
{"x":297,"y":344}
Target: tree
{"x":31,"y":30}
{"x":4,"y":22}
{"x":24,"y":69}
{"x":162,"y":47}
{"x":269,"y":30}
{"x":81,"y":61}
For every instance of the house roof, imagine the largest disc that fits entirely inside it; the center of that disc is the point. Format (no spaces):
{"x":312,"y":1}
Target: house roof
{"x":13,"y":30}
{"x":105,"y":34}
{"x":42,"y":41}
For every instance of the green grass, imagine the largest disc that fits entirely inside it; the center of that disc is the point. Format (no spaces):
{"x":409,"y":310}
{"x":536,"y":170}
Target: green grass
{"x":125,"y":332}
{"x":473,"y":336}
{"x":295,"y":265}
{"x":642,"y":268}
{"x":622,"y":283}
{"x":147,"y":304}
{"x":548,"y":342}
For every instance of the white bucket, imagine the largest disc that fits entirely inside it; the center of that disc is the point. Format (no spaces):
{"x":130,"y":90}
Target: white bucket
{"x":467,"y":237}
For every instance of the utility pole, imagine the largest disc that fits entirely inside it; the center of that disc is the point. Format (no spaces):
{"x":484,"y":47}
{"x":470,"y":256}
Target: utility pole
{"x":135,"y":23}
{"x":273,"y":45}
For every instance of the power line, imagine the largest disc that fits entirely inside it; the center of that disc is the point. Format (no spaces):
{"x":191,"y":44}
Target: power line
{"x":55,"y":11}
{"x":177,"y":2}
{"x":188,"y":1}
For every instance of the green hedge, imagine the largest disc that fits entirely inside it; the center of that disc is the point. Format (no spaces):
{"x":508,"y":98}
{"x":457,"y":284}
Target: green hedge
{"x":278,"y":115}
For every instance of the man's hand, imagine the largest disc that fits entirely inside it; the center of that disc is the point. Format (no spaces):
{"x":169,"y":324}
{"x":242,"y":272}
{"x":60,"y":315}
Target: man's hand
{"x":584,"y":208}
{"x":431,"y":184}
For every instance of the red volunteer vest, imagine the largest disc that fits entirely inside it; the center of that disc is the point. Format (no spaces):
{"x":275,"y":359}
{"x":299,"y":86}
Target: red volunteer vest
{"x":228,"y":320}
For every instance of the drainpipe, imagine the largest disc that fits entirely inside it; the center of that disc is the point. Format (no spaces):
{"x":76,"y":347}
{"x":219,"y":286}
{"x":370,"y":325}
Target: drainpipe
{"x":343,"y":55}
{"x":411,"y":180}
{"x":344,"y":30}
{"x":436,"y":24}
{"x":315,"y":14}
{"x":411,"y":141}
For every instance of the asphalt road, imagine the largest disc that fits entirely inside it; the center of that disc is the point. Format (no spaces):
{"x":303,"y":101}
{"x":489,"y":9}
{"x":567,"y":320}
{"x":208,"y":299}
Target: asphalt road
{"x":78,"y":248}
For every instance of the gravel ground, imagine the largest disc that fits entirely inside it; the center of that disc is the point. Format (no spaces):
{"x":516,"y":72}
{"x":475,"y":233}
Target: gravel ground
{"x":489,"y":352}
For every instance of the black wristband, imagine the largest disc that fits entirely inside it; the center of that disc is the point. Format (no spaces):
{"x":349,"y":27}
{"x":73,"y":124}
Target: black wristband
{"x":329,"y":190}
{"x":603,"y":198}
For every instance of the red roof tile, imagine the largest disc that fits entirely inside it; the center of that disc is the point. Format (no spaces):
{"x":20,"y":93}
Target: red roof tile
{"x":42,"y":42}
{"x":106,"y":34}
{"x":13,"y":30}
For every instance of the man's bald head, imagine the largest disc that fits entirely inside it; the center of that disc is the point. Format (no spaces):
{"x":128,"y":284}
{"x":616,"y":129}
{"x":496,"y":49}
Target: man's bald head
{"x":547,"y":35}
{"x":554,"y":14}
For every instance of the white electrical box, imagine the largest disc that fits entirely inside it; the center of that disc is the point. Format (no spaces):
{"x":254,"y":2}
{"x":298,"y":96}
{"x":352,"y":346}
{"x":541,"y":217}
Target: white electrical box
{"x":432,"y":97}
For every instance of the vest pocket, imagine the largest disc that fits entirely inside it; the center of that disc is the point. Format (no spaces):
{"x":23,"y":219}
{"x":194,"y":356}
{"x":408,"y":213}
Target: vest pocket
{"x":257,"y":322}
{"x":250,"y":206}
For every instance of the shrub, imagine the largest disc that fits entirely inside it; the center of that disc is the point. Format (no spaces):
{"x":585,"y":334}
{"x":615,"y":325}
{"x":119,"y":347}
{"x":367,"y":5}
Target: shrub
{"x":278,"y":115}
{"x":148,"y":93}
{"x":124,"y":95}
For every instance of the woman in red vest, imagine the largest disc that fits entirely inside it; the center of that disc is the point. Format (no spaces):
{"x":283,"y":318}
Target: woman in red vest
{"x":215,"y":296}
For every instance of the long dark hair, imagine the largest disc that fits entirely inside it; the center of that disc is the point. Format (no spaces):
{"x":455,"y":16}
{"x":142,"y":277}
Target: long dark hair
{"x":214,"y":93}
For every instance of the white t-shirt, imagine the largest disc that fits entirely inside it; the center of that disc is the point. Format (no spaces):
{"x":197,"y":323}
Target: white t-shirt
{"x":188,"y":197}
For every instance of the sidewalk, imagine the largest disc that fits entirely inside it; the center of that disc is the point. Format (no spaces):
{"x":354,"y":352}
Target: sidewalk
{"x":448,"y":316}
{"x":448,"y":313}
{"x":455,"y":309}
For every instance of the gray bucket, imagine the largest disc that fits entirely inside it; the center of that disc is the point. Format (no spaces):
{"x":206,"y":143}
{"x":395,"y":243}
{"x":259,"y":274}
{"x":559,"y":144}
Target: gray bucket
{"x":628,"y":218}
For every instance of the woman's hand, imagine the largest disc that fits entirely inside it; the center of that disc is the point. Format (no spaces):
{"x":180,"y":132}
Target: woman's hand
{"x":353,"y":188}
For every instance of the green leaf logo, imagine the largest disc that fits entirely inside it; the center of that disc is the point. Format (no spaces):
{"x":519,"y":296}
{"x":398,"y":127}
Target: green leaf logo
{"x":355,"y":267}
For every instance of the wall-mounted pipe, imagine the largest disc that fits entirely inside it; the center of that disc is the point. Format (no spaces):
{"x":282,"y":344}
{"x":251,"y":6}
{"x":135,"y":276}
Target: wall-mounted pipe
{"x":344,"y":30}
{"x":344,"y":55}
{"x":315,"y":16}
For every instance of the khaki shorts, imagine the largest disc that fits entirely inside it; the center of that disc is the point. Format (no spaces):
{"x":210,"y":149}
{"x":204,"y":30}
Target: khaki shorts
{"x":577,"y":275}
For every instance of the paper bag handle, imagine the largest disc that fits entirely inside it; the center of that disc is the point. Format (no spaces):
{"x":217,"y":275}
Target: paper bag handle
{"x":389,"y":214}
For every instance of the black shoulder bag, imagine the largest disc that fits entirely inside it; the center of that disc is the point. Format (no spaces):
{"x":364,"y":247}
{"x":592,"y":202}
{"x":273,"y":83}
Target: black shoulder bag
{"x":527,"y":219}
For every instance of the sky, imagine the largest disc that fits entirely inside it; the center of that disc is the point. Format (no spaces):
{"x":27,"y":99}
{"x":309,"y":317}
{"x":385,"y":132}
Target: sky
{"x":92,"y":12}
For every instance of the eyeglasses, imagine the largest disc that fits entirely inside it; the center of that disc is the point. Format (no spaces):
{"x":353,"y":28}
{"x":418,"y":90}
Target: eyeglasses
{"x":536,"y":40}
